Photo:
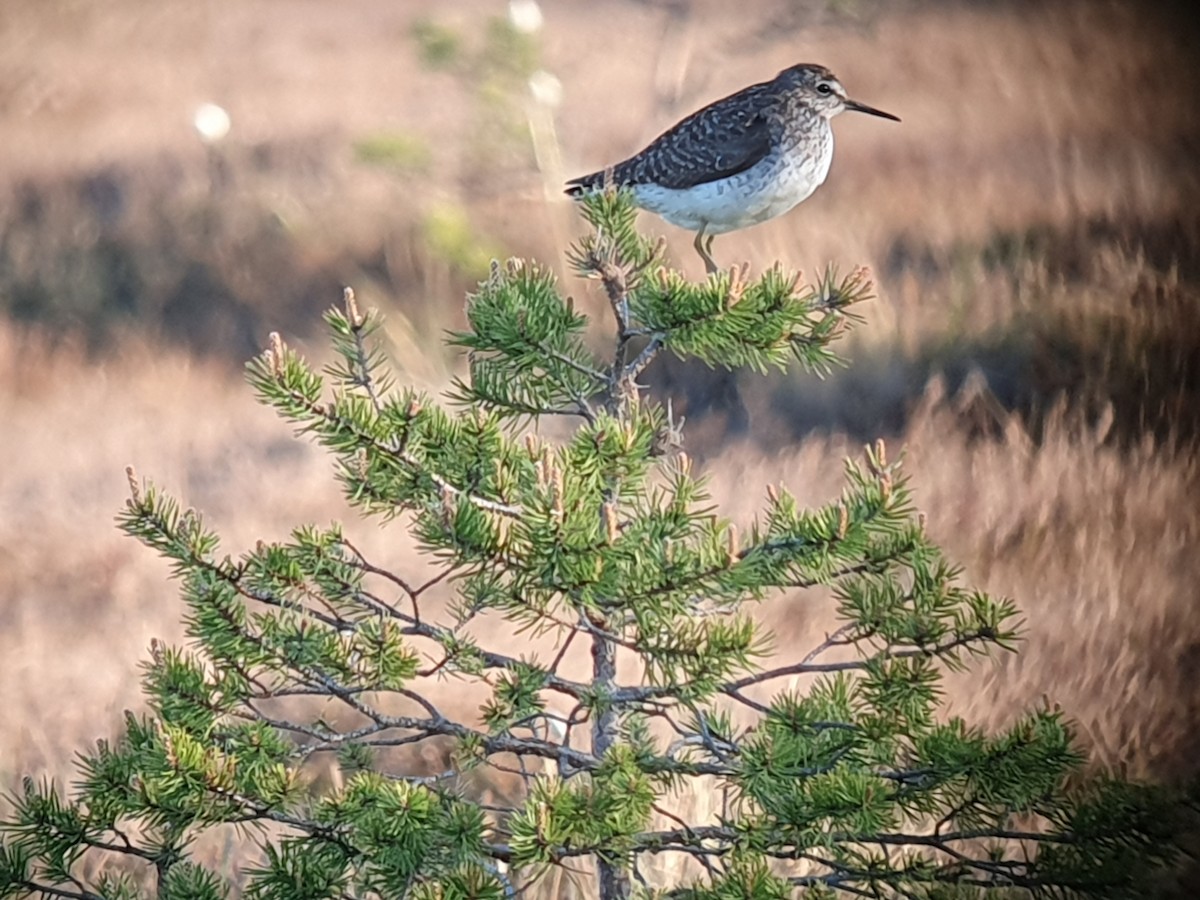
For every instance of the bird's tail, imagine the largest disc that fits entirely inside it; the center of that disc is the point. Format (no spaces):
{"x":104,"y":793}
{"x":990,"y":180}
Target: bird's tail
{"x":585,"y":184}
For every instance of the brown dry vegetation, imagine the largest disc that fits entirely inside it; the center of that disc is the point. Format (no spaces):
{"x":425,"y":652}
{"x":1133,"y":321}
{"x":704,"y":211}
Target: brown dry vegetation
{"x":1033,"y":225}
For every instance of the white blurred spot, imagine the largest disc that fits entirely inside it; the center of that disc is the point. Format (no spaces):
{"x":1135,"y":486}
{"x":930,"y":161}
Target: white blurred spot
{"x":212,"y":122}
{"x":525,"y":15}
{"x":546,"y":89}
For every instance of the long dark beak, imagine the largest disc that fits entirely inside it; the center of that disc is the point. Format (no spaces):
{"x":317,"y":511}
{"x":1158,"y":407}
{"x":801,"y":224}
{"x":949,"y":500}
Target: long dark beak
{"x":870,"y":110}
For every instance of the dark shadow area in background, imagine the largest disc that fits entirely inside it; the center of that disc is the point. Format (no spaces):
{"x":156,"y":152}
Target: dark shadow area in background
{"x":199,"y":258}
{"x":120,"y":250}
{"x":1132,"y":357}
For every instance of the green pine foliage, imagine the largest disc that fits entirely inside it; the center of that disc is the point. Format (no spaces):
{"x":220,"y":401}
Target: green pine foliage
{"x":837,"y":774}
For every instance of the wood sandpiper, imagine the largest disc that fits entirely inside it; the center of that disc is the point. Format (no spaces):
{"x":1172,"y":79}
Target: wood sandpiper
{"x":744,"y":159}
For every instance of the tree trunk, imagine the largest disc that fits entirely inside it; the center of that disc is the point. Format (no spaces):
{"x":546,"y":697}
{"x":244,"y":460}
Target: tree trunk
{"x":614,"y":885}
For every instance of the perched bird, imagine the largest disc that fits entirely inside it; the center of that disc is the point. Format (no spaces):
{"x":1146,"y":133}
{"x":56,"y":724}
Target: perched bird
{"x":744,"y":159}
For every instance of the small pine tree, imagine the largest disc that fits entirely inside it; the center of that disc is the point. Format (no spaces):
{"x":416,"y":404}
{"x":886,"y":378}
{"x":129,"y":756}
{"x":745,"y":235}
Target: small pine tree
{"x":836,"y":775}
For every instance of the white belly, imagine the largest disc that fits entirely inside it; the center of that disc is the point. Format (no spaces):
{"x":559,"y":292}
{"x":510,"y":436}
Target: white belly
{"x":764,"y":191}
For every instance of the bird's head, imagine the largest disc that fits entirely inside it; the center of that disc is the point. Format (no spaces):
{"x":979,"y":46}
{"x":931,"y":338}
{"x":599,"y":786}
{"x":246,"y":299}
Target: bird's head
{"x":819,"y":88}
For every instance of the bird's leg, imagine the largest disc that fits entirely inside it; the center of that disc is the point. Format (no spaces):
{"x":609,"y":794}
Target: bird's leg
{"x":704,"y":248}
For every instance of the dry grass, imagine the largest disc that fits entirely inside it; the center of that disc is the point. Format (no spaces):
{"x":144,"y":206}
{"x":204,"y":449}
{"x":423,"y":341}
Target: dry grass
{"x":1032,"y":224}
{"x":1095,"y":544}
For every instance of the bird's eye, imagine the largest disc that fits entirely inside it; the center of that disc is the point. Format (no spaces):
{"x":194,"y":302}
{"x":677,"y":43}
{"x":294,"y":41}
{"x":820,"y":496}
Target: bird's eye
{"x":824,"y":88}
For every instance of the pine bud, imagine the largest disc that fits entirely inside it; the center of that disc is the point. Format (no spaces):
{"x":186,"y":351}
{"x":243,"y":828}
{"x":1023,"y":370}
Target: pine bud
{"x":352,"y":314}
{"x":877,"y":458}
{"x":737,"y":284}
{"x":276,"y":354}
{"x":843,"y":521}
{"x":685,"y":463}
{"x":733,"y":545}
{"x":556,"y":491}
{"x":135,"y":490}
{"x":773,"y":493}
{"x":608,"y":513}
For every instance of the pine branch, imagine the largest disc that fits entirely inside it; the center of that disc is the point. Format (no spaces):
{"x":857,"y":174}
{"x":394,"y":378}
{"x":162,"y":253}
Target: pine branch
{"x":848,"y":782}
{"x":300,"y":406}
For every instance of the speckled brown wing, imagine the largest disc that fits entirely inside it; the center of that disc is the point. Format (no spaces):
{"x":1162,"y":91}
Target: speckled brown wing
{"x":724,"y":138}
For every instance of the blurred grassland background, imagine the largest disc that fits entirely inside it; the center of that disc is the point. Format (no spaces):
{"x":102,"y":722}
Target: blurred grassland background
{"x":1033,"y":226}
